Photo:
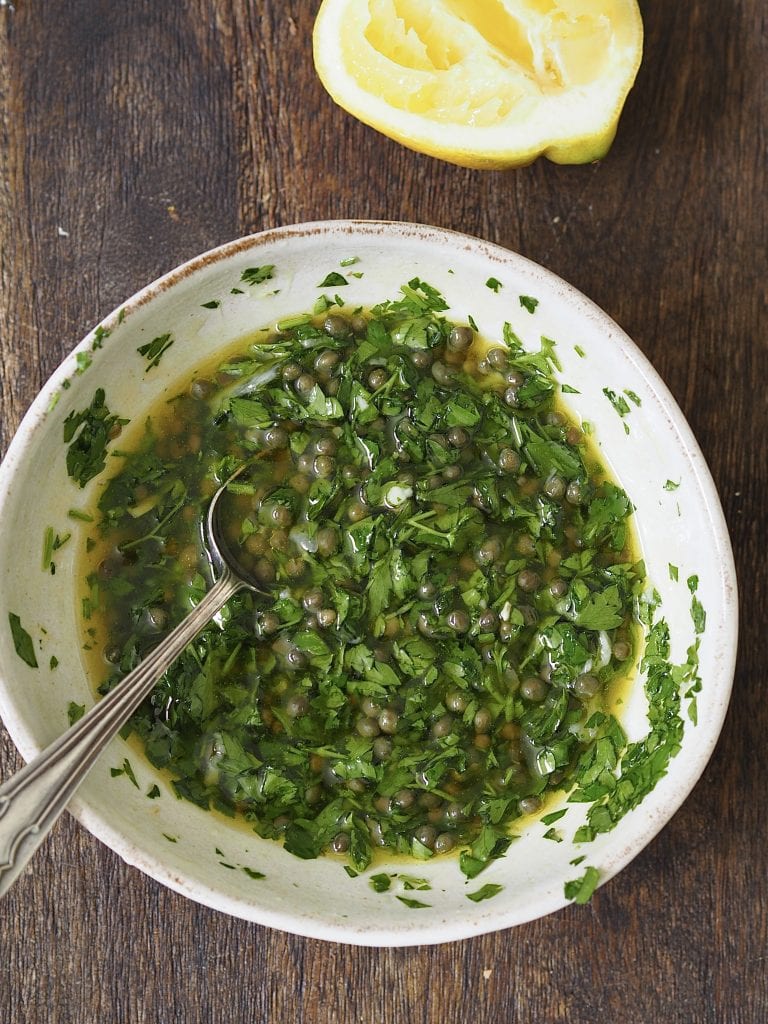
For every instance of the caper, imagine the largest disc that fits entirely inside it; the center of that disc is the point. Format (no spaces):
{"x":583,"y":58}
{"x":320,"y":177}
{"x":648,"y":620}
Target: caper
{"x":534,"y":689}
{"x":382,"y":748}
{"x":444,"y":842}
{"x":297,"y":705}
{"x":458,"y":620}
{"x":358,"y":323}
{"x":312,"y":599}
{"x":356,"y":510}
{"x":506,"y":631}
{"x":586,"y":686}
{"x":488,"y":621}
{"x":201,"y":388}
{"x":514,"y":378}
{"x":510,"y":396}
{"x":426,"y":590}
{"x":275,"y":438}
{"x":421,"y":359}
{"x":294,"y":567}
{"x":554,"y":487}
{"x":489,"y":550}
{"x":443,"y":375}
{"x":280,"y":515}
{"x":327,"y":541}
{"x":383,"y":804}
{"x":388,"y":720}
{"x":497,"y":358}
{"x":268,"y":623}
{"x":509,"y":460}
{"x":530,"y":804}
{"x":326,"y":617}
{"x":326,"y":445}
{"x":340,"y":843}
{"x":456,"y":701}
{"x":460,"y":338}
{"x":558,"y":588}
{"x":483,"y":720}
{"x":528,"y":580}
{"x":337,"y":326}
{"x":264,"y":571}
{"x":453,"y":473}
{"x":367,"y":727}
{"x":404,"y":798}
{"x":377,"y":379}
{"x":425,"y":625}
{"x":458,"y":437}
{"x":442,"y":727}
{"x":325,"y":465}
{"x":326,"y":361}
{"x":313,"y":794}
{"x":621,"y":650}
{"x":573,"y":493}
{"x":304,"y":383}
{"x":305,"y":463}
{"x":291,"y":372}
{"x":453,"y":814}
{"x":426,"y":835}
{"x":296,"y":659}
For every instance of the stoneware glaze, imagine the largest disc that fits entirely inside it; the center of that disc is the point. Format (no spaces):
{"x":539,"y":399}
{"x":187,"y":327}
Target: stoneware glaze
{"x":647,"y":447}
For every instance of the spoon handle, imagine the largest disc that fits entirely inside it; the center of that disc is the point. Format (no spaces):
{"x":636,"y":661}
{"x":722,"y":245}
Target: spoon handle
{"x":33,"y":798}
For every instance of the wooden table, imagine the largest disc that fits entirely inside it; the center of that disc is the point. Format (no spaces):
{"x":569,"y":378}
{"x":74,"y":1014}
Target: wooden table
{"x":137,"y":134}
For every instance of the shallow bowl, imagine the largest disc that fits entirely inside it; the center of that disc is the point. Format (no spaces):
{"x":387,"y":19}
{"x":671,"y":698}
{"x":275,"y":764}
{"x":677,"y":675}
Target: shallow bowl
{"x":643,"y":438}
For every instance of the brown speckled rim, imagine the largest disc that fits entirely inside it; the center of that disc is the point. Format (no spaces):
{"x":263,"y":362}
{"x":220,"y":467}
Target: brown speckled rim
{"x":649,"y":818}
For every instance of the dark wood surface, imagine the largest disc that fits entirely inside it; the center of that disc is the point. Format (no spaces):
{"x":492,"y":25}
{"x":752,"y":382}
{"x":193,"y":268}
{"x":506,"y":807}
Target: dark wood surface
{"x":135,"y":135}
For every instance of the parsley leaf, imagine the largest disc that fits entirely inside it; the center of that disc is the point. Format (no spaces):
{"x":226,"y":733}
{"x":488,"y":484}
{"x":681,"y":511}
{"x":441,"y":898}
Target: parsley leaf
{"x":580,"y":890}
{"x":22,"y":641}
{"x":485,"y":892}
{"x":154,"y":350}
{"x":92,"y":430}
{"x":257,"y":275}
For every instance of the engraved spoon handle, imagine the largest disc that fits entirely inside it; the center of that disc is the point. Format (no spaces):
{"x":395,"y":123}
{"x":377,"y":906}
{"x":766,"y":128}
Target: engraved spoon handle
{"x":32,"y":800}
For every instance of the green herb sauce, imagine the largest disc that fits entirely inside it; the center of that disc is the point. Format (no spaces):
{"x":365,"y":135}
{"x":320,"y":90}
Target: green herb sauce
{"x":450,"y":576}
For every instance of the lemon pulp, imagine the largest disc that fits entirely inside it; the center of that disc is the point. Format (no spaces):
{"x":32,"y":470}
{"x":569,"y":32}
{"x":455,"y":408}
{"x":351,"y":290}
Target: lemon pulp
{"x":483,"y":83}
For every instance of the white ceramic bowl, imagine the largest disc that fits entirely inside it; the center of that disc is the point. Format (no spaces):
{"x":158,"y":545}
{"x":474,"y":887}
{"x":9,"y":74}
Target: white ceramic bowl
{"x":646,"y":448}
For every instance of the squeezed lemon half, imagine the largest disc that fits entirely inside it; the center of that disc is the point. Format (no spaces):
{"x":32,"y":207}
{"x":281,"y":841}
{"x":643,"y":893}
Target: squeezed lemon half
{"x":483,"y":83}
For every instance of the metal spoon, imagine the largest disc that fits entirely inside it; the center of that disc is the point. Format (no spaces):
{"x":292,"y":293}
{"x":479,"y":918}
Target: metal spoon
{"x":32,"y":800}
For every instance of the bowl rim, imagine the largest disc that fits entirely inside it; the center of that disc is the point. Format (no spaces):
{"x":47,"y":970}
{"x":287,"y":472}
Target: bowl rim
{"x":581,"y":305}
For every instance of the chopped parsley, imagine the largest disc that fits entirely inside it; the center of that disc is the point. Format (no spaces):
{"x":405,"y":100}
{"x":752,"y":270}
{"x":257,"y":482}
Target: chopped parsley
{"x":407,"y":530}
{"x":413,"y":904}
{"x":154,"y":350}
{"x":581,"y":889}
{"x":75,"y":712}
{"x":333,"y":280}
{"x":528,"y":303}
{"x":257,"y":875}
{"x":494,"y":284}
{"x":125,"y":769}
{"x":22,"y":641}
{"x":88,"y":433}
{"x":485,"y":892}
{"x":257,"y":275}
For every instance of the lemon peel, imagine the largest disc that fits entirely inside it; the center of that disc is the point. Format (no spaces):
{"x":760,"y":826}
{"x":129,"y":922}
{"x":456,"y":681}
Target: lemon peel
{"x":489,"y":84}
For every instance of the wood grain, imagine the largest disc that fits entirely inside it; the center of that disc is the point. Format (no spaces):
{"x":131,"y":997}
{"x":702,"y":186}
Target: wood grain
{"x":133,"y":136}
